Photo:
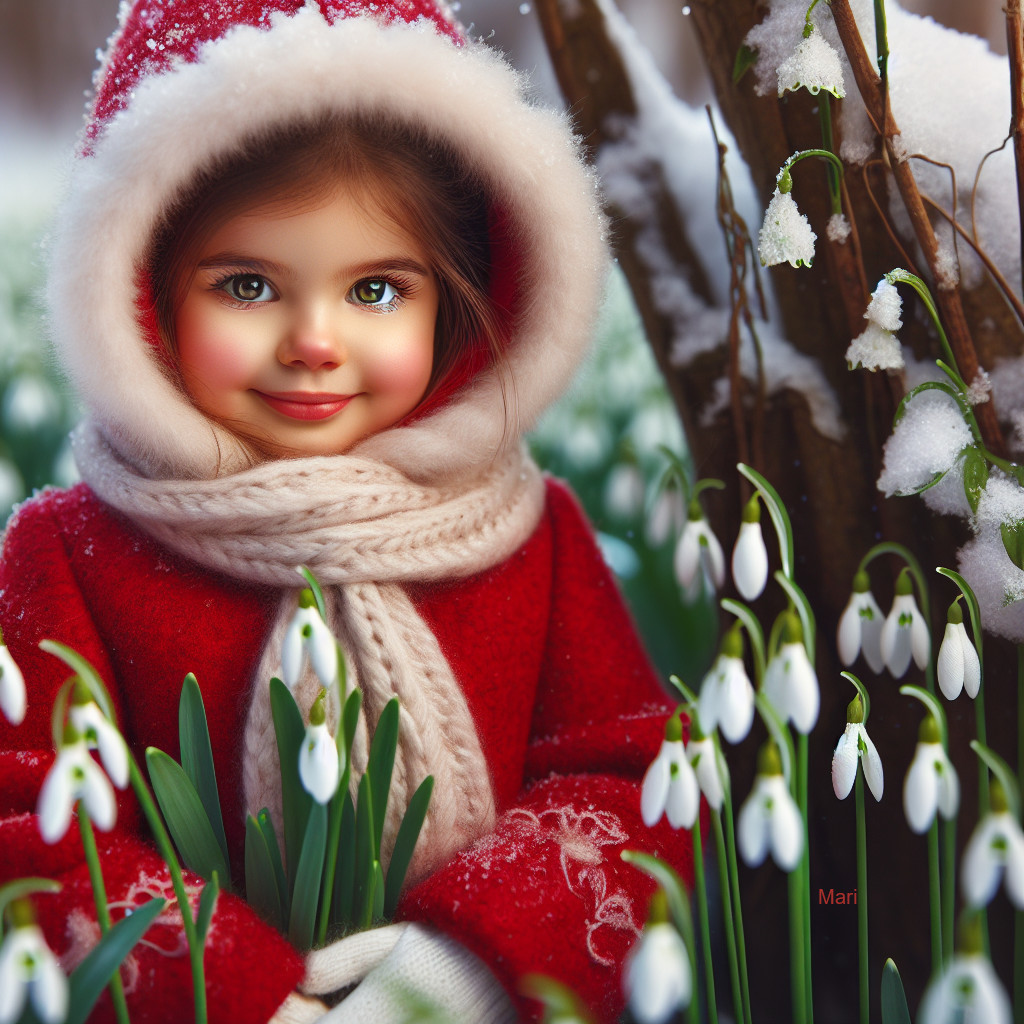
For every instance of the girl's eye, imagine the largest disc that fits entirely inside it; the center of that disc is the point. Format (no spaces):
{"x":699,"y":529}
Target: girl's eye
{"x":376,"y":294}
{"x":248,"y":288}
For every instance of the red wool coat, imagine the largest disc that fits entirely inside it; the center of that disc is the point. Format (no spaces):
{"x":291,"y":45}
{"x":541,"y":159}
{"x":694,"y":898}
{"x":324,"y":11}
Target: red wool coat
{"x":566,"y":705}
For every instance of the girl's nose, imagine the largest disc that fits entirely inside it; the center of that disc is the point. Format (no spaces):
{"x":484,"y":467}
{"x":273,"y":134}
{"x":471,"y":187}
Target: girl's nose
{"x":314,"y":342}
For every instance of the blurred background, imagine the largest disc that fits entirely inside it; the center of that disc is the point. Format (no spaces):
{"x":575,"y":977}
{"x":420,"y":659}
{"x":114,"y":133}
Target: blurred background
{"x":604,"y":437}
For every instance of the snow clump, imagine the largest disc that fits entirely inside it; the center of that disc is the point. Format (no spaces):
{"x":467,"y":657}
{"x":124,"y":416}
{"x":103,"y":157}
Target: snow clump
{"x":814,"y":65}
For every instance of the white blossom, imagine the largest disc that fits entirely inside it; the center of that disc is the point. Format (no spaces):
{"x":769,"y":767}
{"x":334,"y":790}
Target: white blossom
{"x":885,"y":307}
{"x":657,"y":978}
{"x":74,"y":776}
{"x":307,"y":633}
{"x":726,"y":699}
{"x":967,"y":992}
{"x":13,"y":700}
{"x":904,"y":632}
{"x":814,"y":65}
{"x":29,"y":972}
{"x":703,"y":758}
{"x":698,"y":549}
{"x":99,"y":733}
{"x":667,"y":517}
{"x":624,"y":491}
{"x":319,"y":763}
{"x":670,"y":787}
{"x":770,"y":820}
{"x":786,"y":235}
{"x":750,"y":561}
{"x":958,"y":665}
{"x":791,"y":686}
{"x":875,"y":348}
{"x":931,"y":785}
{"x":855,"y":747}
{"x":860,"y":628}
{"x":996,"y":846}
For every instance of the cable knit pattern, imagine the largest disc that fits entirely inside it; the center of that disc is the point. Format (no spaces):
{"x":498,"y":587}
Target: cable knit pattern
{"x":364,"y":530}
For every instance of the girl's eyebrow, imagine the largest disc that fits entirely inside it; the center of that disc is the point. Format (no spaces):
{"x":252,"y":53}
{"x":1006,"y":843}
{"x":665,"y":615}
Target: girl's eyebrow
{"x":373,"y":268}
{"x":235,"y":259}
{"x":390,"y":265}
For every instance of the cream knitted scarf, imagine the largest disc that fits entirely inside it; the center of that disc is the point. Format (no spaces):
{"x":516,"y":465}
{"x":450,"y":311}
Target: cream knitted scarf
{"x":364,"y":529}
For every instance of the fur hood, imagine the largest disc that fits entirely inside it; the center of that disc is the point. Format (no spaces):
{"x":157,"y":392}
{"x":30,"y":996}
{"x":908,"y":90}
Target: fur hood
{"x":184,"y":81}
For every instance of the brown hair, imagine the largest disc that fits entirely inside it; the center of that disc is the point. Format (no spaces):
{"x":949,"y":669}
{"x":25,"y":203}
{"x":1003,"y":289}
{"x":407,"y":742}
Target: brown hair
{"x":415,"y":179}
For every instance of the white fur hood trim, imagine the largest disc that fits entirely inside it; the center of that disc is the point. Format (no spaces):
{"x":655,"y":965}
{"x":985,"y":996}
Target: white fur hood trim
{"x":179,"y":121}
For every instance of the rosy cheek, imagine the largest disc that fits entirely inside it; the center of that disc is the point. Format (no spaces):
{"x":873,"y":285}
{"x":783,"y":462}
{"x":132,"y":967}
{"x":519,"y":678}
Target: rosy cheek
{"x":403,"y":369}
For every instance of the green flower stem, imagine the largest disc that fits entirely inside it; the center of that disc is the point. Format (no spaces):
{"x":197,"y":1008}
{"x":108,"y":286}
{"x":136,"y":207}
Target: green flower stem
{"x":905,"y":277}
{"x":725,"y":887}
{"x":700,"y":887}
{"x":984,"y":798}
{"x":804,"y":870}
{"x":826,"y":154}
{"x":825,"y":117}
{"x":881,"y":41}
{"x":330,"y":861}
{"x":948,"y":884}
{"x":166,"y":849}
{"x":796,"y":948}
{"x":935,"y":898}
{"x":99,"y":895}
{"x":862,"y":900}
{"x":737,"y":907}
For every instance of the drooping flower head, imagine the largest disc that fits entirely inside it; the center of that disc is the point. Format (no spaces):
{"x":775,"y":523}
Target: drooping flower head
{"x":959,"y":667}
{"x":657,"y":978}
{"x":860,"y":626}
{"x":711,"y":771}
{"x":855,"y":748}
{"x":99,"y":733}
{"x":786,"y":235}
{"x":905,"y":631}
{"x":307,"y":634}
{"x":814,"y":65}
{"x":29,"y":972}
{"x":749,"y":555}
{"x":769,"y":820}
{"x":13,"y":699}
{"x":698,"y":552}
{"x":790,"y":682}
{"x":931,"y":785}
{"x":878,"y":348}
{"x":670,"y":786}
{"x":726,"y":699}
{"x":995,"y":849}
{"x":319,"y":763}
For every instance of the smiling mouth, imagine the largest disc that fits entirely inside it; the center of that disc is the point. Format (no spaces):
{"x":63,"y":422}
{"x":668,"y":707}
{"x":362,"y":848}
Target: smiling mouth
{"x":305,"y":405}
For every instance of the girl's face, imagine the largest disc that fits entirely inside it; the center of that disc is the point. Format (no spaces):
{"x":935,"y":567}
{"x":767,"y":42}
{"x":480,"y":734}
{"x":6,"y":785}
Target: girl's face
{"x":308,"y":331}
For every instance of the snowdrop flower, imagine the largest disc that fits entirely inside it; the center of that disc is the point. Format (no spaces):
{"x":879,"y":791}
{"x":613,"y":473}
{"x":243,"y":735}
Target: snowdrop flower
{"x":726,"y":699}
{"x":74,"y":776}
{"x":29,"y":971}
{"x":904,"y":632}
{"x":786,"y":234}
{"x":860,"y":626}
{"x":698,"y":550}
{"x":750,"y":556}
{"x":668,"y":516}
{"x":307,"y":633}
{"x":319,"y":764}
{"x":968,"y":990}
{"x":814,"y":65}
{"x":12,"y":688}
{"x":959,"y":667}
{"x":878,"y":348}
{"x":790,"y":683}
{"x":670,"y":786}
{"x":624,"y":491}
{"x":996,"y":844}
{"x":770,"y":818}
{"x":703,"y":758}
{"x":931,"y":784}
{"x":855,"y":747}
{"x":657,"y":979}
{"x":99,"y":733}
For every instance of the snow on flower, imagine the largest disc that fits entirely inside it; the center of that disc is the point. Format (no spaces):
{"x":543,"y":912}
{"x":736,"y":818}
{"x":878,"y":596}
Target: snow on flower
{"x":904,"y":632}
{"x":959,"y":667}
{"x":860,"y":626}
{"x":29,"y":973}
{"x":814,"y":65}
{"x":931,"y":785}
{"x":657,"y":977}
{"x":726,"y":698}
{"x":13,"y":700}
{"x":74,"y":776}
{"x":885,"y":307}
{"x":791,"y":685}
{"x":786,"y":235}
{"x":927,"y":442}
{"x":996,"y":847}
{"x":319,"y":764}
{"x":875,"y":349}
{"x":856,"y":748}
{"x":307,"y":633}
{"x":749,"y":555}
{"x":670,"y":786}
{"x":967,"y":990}
{"x":769,"y":819}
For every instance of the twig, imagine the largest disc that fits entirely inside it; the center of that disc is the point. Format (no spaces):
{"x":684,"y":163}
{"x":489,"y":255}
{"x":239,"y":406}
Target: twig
{"x":1015,"y":52}
{"x":908,"y":261}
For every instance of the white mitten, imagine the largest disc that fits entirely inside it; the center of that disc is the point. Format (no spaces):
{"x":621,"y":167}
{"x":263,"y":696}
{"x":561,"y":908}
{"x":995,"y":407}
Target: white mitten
{"x":426,"y":969}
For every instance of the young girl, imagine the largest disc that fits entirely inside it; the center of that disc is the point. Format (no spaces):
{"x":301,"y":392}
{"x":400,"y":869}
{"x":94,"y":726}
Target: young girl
{"x":319,"y":268}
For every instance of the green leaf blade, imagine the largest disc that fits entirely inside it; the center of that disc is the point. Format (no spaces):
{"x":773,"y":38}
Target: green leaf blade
{"x":344,"y":877}
{"x":380,"y":765}
{"x":405,"y":844}
{"x":306,"y":894}
{"x":261,"y":883}
{"x":894,"y":1000}
{"x":297,"y":803}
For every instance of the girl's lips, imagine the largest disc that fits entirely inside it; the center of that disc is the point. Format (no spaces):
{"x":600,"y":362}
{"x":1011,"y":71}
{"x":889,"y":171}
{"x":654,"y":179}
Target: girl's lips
{"x":306,"y":405}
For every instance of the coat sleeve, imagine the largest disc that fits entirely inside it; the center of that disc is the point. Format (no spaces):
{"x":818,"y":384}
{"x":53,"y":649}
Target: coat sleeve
{"x":547,"y":892}
{"x":250,"y":968}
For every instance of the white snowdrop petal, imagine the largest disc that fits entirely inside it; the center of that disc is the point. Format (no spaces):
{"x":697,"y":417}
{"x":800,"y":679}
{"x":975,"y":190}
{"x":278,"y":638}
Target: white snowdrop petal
{"x":1015,"y":869}
{"x":50,"y":989}
{"x":687,"y":555}
{"x":712,"y":557}
{"x":658,"y":975}
{"x":920,"y":790}
{"x":318,"y":764}
{"x":750,"y":562}
{"x":56,"y":798}
{"x":896,"y":648}
{"x":972,"y":670}
{"x":113,"y":753}
{"x":752,"y":830}
{"x":805,"y":698}
{"x":989,"y":1002}
{"x":786,"y":827}
{"x":785,"y":234}
{"x":654,"y":791}
{"x":871,"y":765}
{"x":980,"y":870}
{"x":701,"y":755}
{"x":323,"y":653}
{"x":293,"y":649}
{"x":848,"y":635}
{"x":844,"y":764}
{"x":98,"y":796}
{"x":736,"y":711}
{"x":13,"y":698}
{"x":871,"y":637}
{"x":13,"y":988}
{"x":949,"y":790}
{"x":920,"y":641}
{"x":950,"y":664}
{"x":683,"y":798}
